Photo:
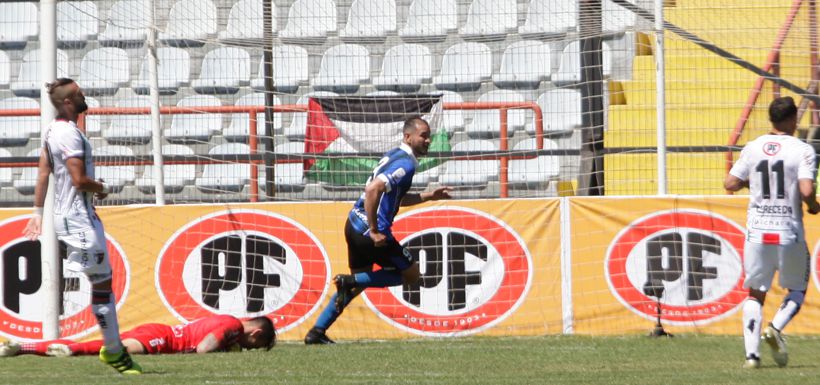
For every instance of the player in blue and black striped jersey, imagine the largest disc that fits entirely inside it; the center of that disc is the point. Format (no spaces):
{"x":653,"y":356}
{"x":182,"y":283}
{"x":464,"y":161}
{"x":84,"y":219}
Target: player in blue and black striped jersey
{"x":368,"y":228}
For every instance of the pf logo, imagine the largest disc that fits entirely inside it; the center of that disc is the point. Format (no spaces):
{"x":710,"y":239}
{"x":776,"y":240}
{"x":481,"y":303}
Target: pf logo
{"x":246,"y":263}
{"x":475,"y":271}
{"x":21,"y":311}
{"x":691,"y":259}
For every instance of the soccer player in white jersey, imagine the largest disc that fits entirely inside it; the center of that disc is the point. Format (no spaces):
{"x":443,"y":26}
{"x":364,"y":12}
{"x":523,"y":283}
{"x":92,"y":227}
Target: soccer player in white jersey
{"x":779,"y":171}
{"x":66,"y":154}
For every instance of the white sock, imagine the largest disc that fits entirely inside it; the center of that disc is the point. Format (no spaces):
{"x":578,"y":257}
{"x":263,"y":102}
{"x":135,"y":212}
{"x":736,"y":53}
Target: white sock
{"x":752,"y":316}
{"x":106,"y":314}
{"x":784,"y":315}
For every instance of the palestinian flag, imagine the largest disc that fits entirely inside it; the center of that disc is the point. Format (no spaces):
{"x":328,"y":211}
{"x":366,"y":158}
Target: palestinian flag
{"x":367,"y":126}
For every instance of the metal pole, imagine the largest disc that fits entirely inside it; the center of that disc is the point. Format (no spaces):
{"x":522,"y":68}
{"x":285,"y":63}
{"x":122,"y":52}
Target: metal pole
{"x":49,"y":254}
{"x":156,"y":137}
{"x":660,"y":91}
{"x":267,"y":57}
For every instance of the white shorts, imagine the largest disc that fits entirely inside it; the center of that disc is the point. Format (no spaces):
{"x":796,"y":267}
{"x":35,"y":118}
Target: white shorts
{"x":761,"y":261}
{"x":87,"y":253}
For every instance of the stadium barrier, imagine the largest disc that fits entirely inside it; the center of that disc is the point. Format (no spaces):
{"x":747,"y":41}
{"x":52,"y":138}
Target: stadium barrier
{"x":490,"y":267}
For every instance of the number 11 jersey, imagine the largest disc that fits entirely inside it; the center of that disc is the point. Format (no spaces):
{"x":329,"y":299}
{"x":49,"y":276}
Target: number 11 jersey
{"x":773,"y":166}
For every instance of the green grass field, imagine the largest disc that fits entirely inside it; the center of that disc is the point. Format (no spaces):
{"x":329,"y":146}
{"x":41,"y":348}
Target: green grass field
{"x":536,"y":360}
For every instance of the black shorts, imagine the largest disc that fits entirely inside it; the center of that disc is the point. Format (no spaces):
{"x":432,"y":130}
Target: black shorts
{"x":362,"y":253}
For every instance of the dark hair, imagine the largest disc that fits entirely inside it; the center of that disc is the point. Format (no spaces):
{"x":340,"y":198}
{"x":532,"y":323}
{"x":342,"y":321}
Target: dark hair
{"x":782,"y":109}
{"x":268,"y":336}
{"x":54,"y":89}
{"x":411,"y":122}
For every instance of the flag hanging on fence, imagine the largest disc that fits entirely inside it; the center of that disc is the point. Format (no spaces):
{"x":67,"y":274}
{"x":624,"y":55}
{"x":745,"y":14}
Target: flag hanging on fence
{"x":368,"y":125}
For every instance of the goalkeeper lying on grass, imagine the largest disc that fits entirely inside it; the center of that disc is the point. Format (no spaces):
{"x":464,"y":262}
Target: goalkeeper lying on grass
{"x":210,"y":334}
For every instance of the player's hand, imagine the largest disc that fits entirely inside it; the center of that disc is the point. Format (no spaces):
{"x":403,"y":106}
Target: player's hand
{"x":33,"y":228}
{"x":101,"y":195}
{"x":440,"y":193}
{"x":379,"y":239}
{"x":814,"y":208}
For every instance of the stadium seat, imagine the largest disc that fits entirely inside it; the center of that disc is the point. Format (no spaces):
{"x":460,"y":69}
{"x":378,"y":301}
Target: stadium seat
{"x":130,"y":129}
{"x":190,"y":23}
{"x":470,"y":173}
{"x":5,"y":172}
{"x":175,"y":176}
{"x":422,"y":179}
{"x":569,"y":71}
{"x":524,"y":65}
{"x":173,"y":71}
{"x":451,"y":120}
{"x":298,"y":124}
{"x":289,"y":176}
{"x":383,"y":93}
{"x":16,"y":130}
{"x":487,"y":124}
{"x":464,"y":66}
{"x":116,"y":177}
{"x":28,"y":178}
{"x":561,"y":109}
{"x":343,"y":68}
{"x":369,"y":21}
{"x":430,"y":21}
{"x":290,"y":68}
{"x":240,"y":122}
{"x":18,"y":24}
{"x":195,"y":128}
{"x":528,"y":173}
{"x":77,"y":23}
{"x":490,"y":20}
{"x":616,"y":19}
{"x":225,"y":177}
{"x":309,"y":22}
{"x":246,"y":23}
{"x":127,"y":24}
{"x":93,"y":123}
{"x":404,"y":68}
{"x":103,"y":71}
{"x":5,"y":69}
{"x":549,"y":18}
{"x":28,"y":80}
{"x":223,"y":71}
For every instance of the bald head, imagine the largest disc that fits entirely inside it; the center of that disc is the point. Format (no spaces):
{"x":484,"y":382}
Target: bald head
{"x":413,"y":123}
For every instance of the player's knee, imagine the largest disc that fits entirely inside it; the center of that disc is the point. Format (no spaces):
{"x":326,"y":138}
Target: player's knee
{"x":795,"y":296}
{"x":411,"y":275}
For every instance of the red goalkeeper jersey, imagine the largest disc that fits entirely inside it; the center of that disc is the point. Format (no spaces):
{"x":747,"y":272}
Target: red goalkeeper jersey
{"x":227,"y":330}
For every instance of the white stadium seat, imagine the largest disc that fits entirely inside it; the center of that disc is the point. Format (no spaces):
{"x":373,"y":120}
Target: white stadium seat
{"x":118,"y":176}
{"x":549,"y":18}
{"x":28,"y":179}
{"x":28,"y":80}
{"x":430,"y":20}
{"x":471,"y":173}
{"x":5,"y":172}
{"x":225,"y":177}
{"x":524,"y":65}
{"x":424,"y":178}
{"x":343,"y":68}
{"x":464,"y":66}
{"x":569,"y":71}
{"x":490,"y":20}
{"x":290,"y":68}
{"x":527,"y":173}
{"x":289,"y":176}
{"x":198,"y":127}
{"x":298,"y":124}
{"x":190,"y":23}
{"x":369,"y":21}
{"x":175,"y":176}
{"x":487,"y":124}
{"x":130,"y":129}
{"x":77,"y":23}
{"x":309,"y":22}
{"x":103,"y":71}
{"x":404,"y":68}
{"x":561,"y":109}
{"x":246,"y":23}
{"x":383,"y":93}
{"x":5,"y":69}
{"x":237,"y":131}
{"x":18,"y":24}
{"x":127,"y":24}
{"x":173,"y":71}
{"x":15,"y":130}
{"x":223,"y":71}
{"x":616,"y":19}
